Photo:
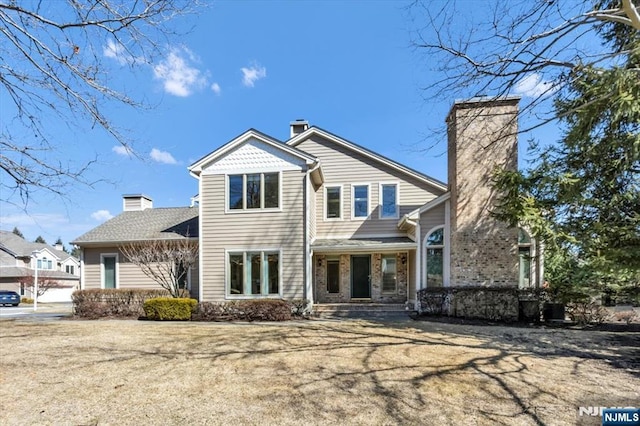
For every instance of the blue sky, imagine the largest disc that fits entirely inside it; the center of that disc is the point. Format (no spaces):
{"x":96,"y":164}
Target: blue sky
{"x":347,"y":67}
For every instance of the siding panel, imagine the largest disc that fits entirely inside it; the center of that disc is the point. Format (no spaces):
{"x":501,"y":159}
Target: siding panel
{"x":344,"y":167}
{"x":257,"y":230}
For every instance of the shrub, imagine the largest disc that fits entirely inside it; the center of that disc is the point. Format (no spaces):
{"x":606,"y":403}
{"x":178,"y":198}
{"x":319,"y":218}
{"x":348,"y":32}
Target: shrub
{"x":587,"y":312}
{"x":626,"y":316}
{"x":26,"y":300}
{"x":98,"y":303}
{"x":299,"y":308}
{"x":169,"y":308}
{"x":244,"y":310}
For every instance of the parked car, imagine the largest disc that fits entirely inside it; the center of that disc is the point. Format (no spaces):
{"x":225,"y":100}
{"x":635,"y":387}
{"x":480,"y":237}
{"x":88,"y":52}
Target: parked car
{"x":9,"y":298}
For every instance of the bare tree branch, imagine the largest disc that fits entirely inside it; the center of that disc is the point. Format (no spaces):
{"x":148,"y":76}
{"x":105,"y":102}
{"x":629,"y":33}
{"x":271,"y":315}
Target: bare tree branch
{"x":54,"y":66}
{"x":167,"y":262}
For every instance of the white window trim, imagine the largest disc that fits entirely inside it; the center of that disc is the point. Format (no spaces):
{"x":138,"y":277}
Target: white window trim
{"x":244,"y":251}
{"x":102,"y":256}
{"x":353,"y":201}
{"x":533,"y":283}
{"x":397,"y":185}
{"x":395,"y":256}
{"x":445,"y":259}
{"x":324,"y":207}
{"x":244,"y":208}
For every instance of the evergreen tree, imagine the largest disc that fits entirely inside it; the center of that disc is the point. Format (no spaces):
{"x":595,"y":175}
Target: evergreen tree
{"x":17,"y":232}
{"x":40,"y":240}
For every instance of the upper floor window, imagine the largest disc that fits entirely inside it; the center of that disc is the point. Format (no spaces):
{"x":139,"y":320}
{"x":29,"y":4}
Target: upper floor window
{"x":45,"y":263}
{"x":360,"y":201}
{"x":333,"y":202}
{"x":389,"y":201}
{"x":70,"y":269}
{"x":254,"y":191}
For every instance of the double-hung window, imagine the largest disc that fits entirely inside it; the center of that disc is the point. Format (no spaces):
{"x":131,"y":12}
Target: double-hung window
{"x":389,"y":201}
{"x":360,"y":196}
{"x":333,"y":202}
{"x":254,"y":191}
{"x":70,"y":269}
{"x":253,"y":273}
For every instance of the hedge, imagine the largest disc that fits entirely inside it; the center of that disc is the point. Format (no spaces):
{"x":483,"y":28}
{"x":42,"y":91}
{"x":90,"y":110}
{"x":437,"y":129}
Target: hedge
{"x":98,"y":303}
{"x":246,"y":310}
{"x":169,"y":308}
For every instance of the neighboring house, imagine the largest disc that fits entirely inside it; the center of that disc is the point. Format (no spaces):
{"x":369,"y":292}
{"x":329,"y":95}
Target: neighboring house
{"x":322,"y":218}
{"x":17,"y":263}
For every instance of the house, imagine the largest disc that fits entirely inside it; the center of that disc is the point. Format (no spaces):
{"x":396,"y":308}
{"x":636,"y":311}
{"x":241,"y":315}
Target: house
{"x":322,"y":218}
{"x":56,"y":268}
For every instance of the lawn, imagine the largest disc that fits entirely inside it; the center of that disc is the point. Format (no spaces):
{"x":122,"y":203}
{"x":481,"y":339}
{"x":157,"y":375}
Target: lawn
{"x":118,"y":372}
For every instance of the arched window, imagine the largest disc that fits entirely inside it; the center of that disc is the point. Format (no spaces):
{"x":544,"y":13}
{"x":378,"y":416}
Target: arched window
{"x":434,"y":257}
{"x":524,"y":257}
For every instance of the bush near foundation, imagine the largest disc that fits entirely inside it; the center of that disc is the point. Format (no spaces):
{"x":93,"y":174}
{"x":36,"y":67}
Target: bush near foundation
{"x":244,"y":310}
{"x":119,"y":303}
{"x":169,"y":308}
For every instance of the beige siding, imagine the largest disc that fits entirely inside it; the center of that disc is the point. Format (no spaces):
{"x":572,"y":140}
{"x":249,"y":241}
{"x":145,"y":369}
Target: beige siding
{"x":345,"y":167}
{"x":312,"y":213}
{"x":430,"y":219}
{"x":128,"y":274}
{"x":283,"y":230}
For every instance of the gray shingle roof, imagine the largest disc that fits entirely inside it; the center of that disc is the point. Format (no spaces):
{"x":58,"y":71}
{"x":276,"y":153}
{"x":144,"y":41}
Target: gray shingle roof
{"x":150,"y":224}
{"x":18,"y":271}
{"x":23,"y":248}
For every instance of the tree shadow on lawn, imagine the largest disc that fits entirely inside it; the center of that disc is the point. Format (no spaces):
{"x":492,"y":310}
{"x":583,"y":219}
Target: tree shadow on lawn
{"x":412,"y":372}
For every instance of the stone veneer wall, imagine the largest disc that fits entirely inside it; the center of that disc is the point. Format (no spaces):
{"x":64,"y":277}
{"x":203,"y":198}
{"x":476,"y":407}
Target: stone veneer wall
{"x":344,"y":296}
{"x":481,"y":137}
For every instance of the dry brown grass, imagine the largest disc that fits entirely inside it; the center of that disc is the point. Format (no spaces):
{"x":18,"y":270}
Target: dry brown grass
{"x":308,"y":372}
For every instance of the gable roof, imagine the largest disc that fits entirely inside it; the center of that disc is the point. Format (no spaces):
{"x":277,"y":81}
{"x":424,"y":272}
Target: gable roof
{"x":314,"y":130}
{"x":169,"y":223}
{"x":19,"y":247}
{"x":415,"y":214}
{"x":196,"y":168}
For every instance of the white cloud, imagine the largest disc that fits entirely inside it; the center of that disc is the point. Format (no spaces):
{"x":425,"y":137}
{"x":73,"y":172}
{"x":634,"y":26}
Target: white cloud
{"x":122,"y":150}
{"x":162,"y":157}
{"x":252,"y":74}
{"x":179,"y":77}
{"x":533,"y":86}
{"x":216,"y":88}
{"x":24,"y":220}
{"x":101,"y":215}
{"x":117,"y":51}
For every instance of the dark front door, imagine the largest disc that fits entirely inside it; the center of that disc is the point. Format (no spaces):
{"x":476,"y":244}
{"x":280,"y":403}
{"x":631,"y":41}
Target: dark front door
{"x":360,"y":277}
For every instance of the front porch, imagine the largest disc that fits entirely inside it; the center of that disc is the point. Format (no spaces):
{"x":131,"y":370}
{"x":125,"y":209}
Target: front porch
{"x":366,"y":277}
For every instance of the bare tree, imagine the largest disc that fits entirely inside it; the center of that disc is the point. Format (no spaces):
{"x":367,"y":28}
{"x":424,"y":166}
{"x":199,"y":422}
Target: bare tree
{"x":54,"y":67}
{"x":45,"y":283}
{"x":167,"y":262}
{"x":517,"y":47}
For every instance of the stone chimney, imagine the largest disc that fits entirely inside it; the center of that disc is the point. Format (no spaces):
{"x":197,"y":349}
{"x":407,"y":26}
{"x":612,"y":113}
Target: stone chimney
{"x":482,"y":136}
{"x":298,"y":126}
{"x":136,"y":202}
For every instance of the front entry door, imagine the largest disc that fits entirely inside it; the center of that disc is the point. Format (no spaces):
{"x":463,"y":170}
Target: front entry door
{"x":361,"y":277}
